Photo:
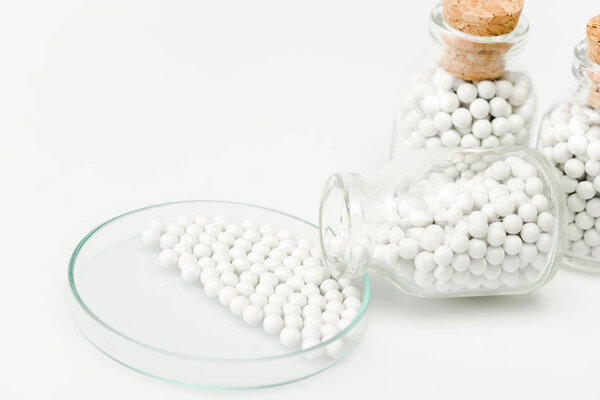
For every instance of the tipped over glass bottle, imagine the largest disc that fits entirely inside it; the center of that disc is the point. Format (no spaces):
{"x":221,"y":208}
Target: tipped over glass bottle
{"x":448,"y":222}
{"x":469,"y":91}
{"x":570,"y":137}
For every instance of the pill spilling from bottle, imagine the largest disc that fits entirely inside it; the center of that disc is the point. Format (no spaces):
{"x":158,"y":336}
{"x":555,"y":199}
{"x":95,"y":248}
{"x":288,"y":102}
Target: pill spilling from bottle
{"x":262,"y":275}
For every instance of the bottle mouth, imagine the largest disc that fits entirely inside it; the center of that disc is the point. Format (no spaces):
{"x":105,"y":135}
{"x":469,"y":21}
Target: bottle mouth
{"x":582,"y":63}
{"x":344,"y":247}
{"x":440,"y":29}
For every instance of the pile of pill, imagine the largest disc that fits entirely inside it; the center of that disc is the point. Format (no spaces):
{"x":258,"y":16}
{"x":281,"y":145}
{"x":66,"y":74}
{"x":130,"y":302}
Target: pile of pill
{"x":570,"y":138}
{"x":262,"y":275}
{"x":477,"y":224}
{"x":443,"y":111}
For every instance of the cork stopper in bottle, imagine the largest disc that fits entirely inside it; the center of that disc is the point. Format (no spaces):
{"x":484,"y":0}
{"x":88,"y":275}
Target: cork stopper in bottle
{"x":477,"y":61}
{"x":593,"y":50}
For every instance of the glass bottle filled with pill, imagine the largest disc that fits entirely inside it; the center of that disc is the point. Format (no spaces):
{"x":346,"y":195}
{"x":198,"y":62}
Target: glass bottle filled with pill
{"x":570,"y":137}
{"x":469,"y":91}
{"x":448,"y":222}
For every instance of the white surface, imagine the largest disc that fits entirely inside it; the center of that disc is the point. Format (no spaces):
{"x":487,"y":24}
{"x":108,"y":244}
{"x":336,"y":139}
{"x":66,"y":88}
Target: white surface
{"x":109,"y":106}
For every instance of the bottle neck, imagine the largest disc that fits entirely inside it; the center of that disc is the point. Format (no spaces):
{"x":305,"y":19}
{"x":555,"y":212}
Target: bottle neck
{"x":587,"y":75}
{"x":473,"y":57}
{"x":345,"y":216}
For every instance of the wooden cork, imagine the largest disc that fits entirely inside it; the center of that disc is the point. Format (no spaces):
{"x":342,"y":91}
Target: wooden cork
{"x":593,"y":39}
{"x":471,"y":60}
{"x":593,"y":50}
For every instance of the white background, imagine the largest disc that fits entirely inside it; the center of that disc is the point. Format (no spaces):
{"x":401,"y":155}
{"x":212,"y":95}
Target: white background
{"x":108,"y":106}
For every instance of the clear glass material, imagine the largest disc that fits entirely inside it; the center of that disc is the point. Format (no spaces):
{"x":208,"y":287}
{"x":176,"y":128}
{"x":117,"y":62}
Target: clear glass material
{"x":466,"y":91}
{"x":396,"y":221}
{"x":148,"y":319}
{"x":569,"y":136}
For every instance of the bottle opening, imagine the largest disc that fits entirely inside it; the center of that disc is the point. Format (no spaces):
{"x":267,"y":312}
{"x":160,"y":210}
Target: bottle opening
{"x":344,"y":248}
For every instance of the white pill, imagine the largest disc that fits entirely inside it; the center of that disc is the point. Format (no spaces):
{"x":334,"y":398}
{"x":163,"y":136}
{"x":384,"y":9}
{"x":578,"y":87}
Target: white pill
{"x":596,"y":183}
{"x":573,"y":232}
{"x":175,"y":229}
{"x":500,"y":126}
{"x":290,"y":336}
{"x":504,"y":88}
{"x":518,"y":96}
{"x":227,"y":294}
{"x":486,"y":89}
{"x":467,"y":92}
{"x":584,"y":221}
{"x":530,"y":233}
{"x":478,"y":228}
{"x":492,"y":272}
{"x":591,"y":237}
{"x":459,"y":243}
{"x":442,"y":121}
{"x":477,"y":267}
{"x":504,"y":206}
{"x":482,"y":128}
{"x":575,"y":203}
{"x":294,"y":320}
{"x":461,"y":262}
{"x":450,"y":138}
{"x":479,"y":108}
{"x":449,"y":102}
{"x":272,"y":324}
{"x":151,"y":238}
{"x":443,"y":255}
{"x":574,"y":168}
{"x":461,"y":118}
{"x":577,"y":144}
{"x":528,"y":212}
{"x":593,"y":149}
{"x":158,"y":225}
{"x":494,"y":255}
{"x":510,"y":263}
{"x":212,"y":286}
{"x":533,"y":186}
{"x":560,"y":153}
{"x":408,"y":248}
{"x":545,"y":221}
{"x":168,"y":258}
{"x":190,"y":272}
{"x":585,"y":190}
{"x":477,"y":248}
{"x":496,"y":235}
{"x":593,"y":207}
{"x":513,"y":244}
{"x":431,"y":239}
{"x":168,"y":241}
{"x":424,"y":261}
{"x":498,"y":107}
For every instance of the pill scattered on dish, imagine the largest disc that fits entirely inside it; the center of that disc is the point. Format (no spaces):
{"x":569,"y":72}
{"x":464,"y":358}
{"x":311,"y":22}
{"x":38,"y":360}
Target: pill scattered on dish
{"x":570,"y":138}
{"x":441,"y":110}
{"x":262,"y":275}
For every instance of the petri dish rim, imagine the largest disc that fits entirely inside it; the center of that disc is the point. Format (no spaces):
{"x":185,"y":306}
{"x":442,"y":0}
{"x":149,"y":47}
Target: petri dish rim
{"x":90,"y":313}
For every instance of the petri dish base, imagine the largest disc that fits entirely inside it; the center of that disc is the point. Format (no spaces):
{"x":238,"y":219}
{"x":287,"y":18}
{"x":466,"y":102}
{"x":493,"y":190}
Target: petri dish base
{"x":148,"y":319}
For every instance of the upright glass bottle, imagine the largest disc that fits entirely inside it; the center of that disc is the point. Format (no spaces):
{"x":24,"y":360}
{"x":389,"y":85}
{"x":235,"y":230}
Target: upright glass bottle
{"x":448,"y":222}
{"x":570,"y":137}
{"x":470,"y":91}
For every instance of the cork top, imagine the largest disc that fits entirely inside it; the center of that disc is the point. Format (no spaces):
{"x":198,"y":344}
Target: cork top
{"x":593,"y":39}
{"x":483,"y":17}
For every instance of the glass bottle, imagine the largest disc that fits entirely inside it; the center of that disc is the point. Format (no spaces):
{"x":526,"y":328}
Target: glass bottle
{"x":569,"y":136}
{"x":448,"y":222}
{"x":469,"y":91}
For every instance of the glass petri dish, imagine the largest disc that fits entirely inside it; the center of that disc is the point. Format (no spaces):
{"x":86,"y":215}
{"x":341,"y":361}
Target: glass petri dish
{"x":148,"y":319}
